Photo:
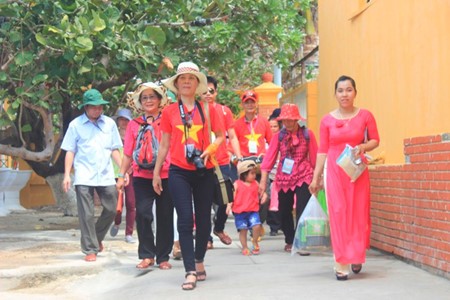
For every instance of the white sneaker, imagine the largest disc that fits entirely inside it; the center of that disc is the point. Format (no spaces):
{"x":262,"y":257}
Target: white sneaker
{"x":129,"y":239}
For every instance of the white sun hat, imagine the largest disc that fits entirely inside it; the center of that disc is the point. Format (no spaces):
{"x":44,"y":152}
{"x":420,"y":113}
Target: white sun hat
{"x":188,"y":68}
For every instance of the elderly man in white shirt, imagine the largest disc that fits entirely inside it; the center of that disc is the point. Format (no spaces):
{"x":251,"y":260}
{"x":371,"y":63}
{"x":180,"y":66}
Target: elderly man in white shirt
{"x":90,"y":142}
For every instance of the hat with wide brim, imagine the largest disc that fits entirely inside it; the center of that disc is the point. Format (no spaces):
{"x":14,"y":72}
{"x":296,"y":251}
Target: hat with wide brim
{"x":159,"y":89}
{"x":289,"y":111}
{"x":244,"y":166}
{"x":188,"y":68}
{"x":123,"y":113}
{"x":92,"y":97}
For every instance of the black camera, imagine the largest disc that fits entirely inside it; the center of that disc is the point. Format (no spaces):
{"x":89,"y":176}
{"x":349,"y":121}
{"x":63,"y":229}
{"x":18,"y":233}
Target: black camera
{"x":193,"y":157}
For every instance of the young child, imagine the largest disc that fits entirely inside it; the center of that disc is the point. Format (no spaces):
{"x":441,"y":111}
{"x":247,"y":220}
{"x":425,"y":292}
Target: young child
{"x":246,"y":205}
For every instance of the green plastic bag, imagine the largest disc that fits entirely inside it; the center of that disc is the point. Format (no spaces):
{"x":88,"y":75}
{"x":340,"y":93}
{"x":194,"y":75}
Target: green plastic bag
{"x":322,"y":201}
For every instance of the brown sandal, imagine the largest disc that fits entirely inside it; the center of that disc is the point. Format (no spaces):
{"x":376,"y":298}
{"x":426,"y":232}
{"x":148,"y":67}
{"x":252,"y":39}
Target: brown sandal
{"x":224,"y":238}
{"x":145,"y":263}
{"x":189,"y":285}
{"x":165,"y":265}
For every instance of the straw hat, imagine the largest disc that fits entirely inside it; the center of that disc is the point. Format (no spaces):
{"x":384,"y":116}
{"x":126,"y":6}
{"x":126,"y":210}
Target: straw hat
{"x":188,"y":68}
{"x":159,"y":89}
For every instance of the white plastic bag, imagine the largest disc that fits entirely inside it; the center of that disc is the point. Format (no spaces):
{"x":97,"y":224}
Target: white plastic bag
{"x":313,"y":229}
{"x":352,"y":164}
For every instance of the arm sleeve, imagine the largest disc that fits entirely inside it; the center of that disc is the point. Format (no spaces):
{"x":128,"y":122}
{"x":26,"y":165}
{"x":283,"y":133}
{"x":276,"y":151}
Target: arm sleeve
{"x":312,"y":148}
{"x":271,"y":154}
{"x":372,"y":128}
{"x":324,"y":138}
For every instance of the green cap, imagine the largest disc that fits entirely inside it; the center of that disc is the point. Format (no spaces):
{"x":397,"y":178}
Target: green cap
{"x":92,"y":97}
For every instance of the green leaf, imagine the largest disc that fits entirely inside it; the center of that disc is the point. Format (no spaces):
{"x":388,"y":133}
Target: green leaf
{"x":41,"y":39}
{"x":156,"y":34}
{"x":97,"y":24}
{"x":26,"y":128}
{"x":39,"y":78}
{"x":54,"y":29}
{"x":16,"y":104}
{"x":23,"y":58}
{"x":3,"y":76}
{"x":85,"y":67}
{"x":85,"y":43}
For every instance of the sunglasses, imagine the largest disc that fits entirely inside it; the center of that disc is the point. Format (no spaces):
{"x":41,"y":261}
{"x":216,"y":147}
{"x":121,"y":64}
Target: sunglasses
{"x":210,"y":90}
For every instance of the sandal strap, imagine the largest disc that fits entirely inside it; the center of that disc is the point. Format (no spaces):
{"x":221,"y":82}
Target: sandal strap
{"x":190,"y":273}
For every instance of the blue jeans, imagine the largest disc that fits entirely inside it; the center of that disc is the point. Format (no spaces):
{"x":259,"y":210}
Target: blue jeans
{"x":192,"y":193}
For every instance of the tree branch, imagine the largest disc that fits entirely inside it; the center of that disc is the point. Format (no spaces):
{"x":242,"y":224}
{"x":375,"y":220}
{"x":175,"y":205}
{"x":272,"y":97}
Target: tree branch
{"x":199,"y":22}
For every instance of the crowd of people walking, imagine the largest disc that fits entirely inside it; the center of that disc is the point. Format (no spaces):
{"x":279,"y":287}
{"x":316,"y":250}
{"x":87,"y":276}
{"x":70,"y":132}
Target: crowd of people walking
{"x":165,"y":159}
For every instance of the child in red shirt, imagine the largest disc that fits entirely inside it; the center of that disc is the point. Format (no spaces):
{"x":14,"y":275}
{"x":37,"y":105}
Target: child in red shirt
{"x":246,"y":205}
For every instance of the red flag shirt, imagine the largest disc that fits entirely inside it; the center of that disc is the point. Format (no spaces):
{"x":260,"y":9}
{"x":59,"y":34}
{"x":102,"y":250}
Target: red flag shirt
{"x":181,"y":136}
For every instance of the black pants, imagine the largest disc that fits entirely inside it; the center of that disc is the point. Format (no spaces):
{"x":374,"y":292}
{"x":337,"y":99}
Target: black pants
{"x":220,"y":217}
{"x":145,"y":196}
{"x":192,"y":193}
{"x":285,"y":206}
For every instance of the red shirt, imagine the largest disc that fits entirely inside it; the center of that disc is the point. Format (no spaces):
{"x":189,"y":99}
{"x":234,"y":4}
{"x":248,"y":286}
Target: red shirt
{"x":130,"y":143}
{"x":226,"y":117}
{"x":246,"y":198}
{"x":261,"y":130}
{"x":197,"y":135}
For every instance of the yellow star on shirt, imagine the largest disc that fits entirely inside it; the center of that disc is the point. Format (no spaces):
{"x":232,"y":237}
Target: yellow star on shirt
{"x":192,"y":132}
{"x":253,"y":137}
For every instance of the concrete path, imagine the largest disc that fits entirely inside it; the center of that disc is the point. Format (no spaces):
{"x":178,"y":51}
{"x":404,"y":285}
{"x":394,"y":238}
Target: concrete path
{"x":273,"y":274}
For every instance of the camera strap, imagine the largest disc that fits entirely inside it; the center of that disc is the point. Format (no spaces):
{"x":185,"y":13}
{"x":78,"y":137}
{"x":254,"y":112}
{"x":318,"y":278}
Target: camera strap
{"x":184,"y":119}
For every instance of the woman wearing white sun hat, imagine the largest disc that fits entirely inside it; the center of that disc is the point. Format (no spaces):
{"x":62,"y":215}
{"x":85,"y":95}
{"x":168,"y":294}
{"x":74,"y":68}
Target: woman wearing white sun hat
{"x":191,"y":174}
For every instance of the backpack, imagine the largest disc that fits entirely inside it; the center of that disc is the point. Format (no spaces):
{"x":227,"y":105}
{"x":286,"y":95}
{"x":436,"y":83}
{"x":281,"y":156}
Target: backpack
{"x":146,"y":148}
{"x":283,"y":133}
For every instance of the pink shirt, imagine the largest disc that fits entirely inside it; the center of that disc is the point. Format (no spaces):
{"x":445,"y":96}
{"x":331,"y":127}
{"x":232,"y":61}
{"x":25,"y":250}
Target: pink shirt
{"x":303,"y":153}
{"x":130,"y":143}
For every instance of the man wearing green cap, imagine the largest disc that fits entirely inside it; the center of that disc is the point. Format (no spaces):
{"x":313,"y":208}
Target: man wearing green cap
{"x":90,"y":142}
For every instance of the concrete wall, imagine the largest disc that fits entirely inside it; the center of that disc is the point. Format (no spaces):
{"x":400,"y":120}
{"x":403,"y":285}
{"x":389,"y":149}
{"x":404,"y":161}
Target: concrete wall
{"x":398,"y":53}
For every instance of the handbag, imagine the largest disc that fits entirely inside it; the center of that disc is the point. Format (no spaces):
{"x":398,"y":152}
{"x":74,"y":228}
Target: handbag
{"x":223,"y":188}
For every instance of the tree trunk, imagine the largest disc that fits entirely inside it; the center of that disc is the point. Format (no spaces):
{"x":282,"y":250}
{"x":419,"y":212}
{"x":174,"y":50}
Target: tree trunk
{"x":66,"y":201}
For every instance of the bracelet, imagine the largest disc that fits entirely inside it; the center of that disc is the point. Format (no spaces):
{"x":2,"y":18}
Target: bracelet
{"x":120,"y":175}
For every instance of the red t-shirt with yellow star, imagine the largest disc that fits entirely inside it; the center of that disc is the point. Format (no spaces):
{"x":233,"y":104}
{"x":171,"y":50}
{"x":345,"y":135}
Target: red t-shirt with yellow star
{"x":196,"y":135}
{"x":257,"y":131}
{"x":226,"y":116}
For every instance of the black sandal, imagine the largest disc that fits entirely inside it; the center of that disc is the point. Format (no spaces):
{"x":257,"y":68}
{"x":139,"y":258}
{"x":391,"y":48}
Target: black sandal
{"x":341,"y":276}
{"x":201,"y":275}
{"x":356,"y":268}
{"x":189,"y":285}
